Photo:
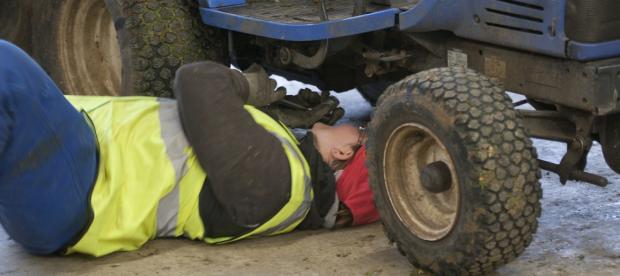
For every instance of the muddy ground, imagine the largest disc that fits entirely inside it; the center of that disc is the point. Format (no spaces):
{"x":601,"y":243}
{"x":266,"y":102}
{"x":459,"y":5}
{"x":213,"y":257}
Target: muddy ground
{"x":579,"y":234}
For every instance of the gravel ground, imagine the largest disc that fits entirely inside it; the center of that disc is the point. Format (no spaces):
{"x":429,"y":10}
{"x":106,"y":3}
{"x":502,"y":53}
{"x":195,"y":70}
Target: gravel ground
{"x":578,"y":235}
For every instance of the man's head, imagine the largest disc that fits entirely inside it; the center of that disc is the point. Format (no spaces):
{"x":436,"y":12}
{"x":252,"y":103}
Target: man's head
{"x":337,"y":144}
{"x":342,"y":148}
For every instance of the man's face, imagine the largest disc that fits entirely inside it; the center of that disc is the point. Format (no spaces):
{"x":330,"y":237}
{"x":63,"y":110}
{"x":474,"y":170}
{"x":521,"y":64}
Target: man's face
{"x":340,"y":135}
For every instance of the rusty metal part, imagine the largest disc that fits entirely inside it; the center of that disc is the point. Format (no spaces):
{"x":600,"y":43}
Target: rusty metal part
{"x":389,"y":56}
{"x":430,"y":215}
{"x":579,"y":147}
{"x":374,"y":69}
{"x":288,"y":55}
{"x":590,"y":86}
{"x":380,"y":63}
{"x":550,"y":125}
{"x":311,"y":62}
{"x":575,"y":174}
{"x":573,"y":127}
{"x":577,"y":151}
{"x":285,"y":55}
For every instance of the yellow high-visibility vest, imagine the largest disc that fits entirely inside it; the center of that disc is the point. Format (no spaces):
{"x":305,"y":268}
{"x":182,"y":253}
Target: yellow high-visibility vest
{"x":149,"y":179}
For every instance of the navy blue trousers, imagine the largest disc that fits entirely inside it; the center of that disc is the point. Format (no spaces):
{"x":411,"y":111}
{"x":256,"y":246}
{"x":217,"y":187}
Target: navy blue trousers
{"x":48,"y":158}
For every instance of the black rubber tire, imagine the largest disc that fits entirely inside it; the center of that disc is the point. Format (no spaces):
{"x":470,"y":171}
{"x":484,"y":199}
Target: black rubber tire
{"x":494,"y":160}
{"x":154,"y":38}
{"x":15,"y":23}
{"x":610,"y":141}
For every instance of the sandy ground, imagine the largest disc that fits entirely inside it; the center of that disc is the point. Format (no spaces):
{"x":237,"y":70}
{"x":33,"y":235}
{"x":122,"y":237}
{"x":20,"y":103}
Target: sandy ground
{"x":578,"y":235}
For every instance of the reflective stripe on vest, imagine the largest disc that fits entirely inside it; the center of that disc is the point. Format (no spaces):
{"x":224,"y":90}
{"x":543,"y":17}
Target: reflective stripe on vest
{"x":303,"y":209}
{"x":150,"y":180}
{"x":176,"y":145}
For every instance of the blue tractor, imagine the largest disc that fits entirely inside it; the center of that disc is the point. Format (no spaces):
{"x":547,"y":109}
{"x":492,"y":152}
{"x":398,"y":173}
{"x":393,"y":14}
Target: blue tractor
{"x":453,"y":169}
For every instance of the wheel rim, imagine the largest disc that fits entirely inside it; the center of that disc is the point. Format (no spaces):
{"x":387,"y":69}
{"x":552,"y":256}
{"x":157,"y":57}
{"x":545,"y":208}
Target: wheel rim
{"x":88,"y":49}
{"x":430,"y":216}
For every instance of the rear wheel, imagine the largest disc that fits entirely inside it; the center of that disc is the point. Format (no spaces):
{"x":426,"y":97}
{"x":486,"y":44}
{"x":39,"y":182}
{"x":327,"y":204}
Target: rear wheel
{"x":454,"y":175}
{"x":15,"y":22}
{"x":126,"y":47}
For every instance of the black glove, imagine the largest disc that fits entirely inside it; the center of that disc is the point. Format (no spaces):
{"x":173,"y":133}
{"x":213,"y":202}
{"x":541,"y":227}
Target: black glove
{"x":305,"y":109}
{"x":262,"y":89}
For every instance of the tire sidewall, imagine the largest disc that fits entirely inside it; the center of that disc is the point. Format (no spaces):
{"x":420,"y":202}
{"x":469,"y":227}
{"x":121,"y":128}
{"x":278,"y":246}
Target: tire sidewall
{"x":115,"y":8}
{"x":47,"y":43}
{"x":45,"y":49}
{"x":15,"y":24}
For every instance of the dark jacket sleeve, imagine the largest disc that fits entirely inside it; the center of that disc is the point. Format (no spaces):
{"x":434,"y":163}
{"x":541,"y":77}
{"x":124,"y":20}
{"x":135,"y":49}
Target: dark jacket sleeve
{"x":247,"y":169}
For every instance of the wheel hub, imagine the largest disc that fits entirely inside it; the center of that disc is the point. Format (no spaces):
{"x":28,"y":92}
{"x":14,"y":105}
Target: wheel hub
{"x":421,"y":181}
{"x":436,"y":177}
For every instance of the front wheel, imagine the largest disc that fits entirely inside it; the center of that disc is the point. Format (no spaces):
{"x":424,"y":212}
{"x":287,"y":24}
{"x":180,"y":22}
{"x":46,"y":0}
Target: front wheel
{"x":454,"y":175}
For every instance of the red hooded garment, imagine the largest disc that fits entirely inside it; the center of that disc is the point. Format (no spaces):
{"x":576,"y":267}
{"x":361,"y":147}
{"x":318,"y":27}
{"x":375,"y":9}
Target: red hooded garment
{"x":354,"y":190}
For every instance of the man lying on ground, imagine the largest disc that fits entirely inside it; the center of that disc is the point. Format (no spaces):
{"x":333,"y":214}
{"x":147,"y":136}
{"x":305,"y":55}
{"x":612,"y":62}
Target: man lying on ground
{"x":96,"y":175}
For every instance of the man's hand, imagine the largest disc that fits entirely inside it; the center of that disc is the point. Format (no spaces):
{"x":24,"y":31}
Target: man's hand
{"x":306,"y":108}
{"x":344,"y":217}
{"x":263,"y":90}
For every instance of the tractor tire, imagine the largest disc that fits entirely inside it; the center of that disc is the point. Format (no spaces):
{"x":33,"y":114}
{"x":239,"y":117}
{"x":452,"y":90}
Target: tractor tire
{"x":610,"y":141}
{"x":461,"y":126}
{"x":123,"y":47}
{"x":15,"y":23}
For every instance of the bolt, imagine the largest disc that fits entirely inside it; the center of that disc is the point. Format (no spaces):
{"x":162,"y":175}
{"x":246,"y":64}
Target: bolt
{"x":285,"y":56}
{"x":476,"y":18}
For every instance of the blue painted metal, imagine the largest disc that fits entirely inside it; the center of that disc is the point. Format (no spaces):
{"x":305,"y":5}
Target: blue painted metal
{"x":221,"y":3}
{"x":537,"y":26}
{"x":592,"y":51}
{"x":301,"y":32}
{"x":530,"y":25}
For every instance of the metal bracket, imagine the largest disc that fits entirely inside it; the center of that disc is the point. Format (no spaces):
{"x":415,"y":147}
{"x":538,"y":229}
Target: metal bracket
{"x":380,"y":63}
{"x":578,"y":148}
{"x":288,"y":55}
{"x":573,"y":127}
{"x":574,"y":159}
{"x":576,"y":174}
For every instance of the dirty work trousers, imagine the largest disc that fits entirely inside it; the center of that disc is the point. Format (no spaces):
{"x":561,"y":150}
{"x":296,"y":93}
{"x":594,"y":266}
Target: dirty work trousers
{"x":48,"y":157}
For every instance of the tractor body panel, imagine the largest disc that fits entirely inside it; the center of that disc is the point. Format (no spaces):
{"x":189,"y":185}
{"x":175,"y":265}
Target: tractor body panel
{"x":239,"y":19}
{"x":537,"y":26}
